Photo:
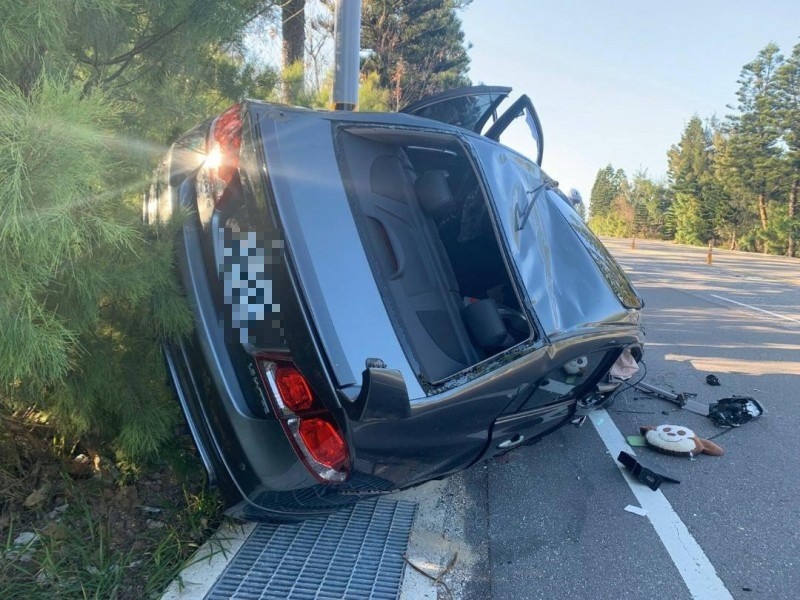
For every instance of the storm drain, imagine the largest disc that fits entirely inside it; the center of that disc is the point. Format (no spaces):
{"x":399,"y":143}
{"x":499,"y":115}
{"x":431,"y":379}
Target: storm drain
{"x":354,"y":553}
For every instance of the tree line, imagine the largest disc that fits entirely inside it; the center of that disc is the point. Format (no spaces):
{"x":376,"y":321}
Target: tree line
{"x":733,"y":181}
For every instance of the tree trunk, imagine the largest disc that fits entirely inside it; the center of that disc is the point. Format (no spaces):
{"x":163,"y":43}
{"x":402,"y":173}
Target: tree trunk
{"x":792,"y":210}
{"x":293,"y":30}
{"x":762,"y":210}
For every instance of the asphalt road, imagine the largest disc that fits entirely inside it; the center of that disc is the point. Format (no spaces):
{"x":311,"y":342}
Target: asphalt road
{"x":548,"y":521}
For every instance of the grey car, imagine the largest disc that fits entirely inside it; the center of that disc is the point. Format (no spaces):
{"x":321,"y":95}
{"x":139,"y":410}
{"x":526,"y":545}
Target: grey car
{"x":380,"y":299}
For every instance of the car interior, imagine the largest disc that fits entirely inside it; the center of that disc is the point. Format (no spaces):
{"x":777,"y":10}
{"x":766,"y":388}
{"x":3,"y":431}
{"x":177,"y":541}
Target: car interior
{"x":424,"y":219}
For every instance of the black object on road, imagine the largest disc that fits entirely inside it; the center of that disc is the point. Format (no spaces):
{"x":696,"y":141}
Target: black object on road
{"x":712,"y":380}
{"x":682,"y":399}
{"x":735,"y":411}
{"x":642,"y":473}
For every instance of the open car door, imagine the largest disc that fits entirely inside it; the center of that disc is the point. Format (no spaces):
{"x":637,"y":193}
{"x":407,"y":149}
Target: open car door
{"x":519,"y":128}
{"x":468,"y":107}
{"x":471,"y":107}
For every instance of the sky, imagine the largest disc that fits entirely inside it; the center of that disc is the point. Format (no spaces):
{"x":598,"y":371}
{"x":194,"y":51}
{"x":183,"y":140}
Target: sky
{"x":616,"y":82}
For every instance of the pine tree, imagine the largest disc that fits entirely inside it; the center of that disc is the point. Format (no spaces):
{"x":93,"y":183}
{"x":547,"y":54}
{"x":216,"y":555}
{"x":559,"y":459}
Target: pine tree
{"x":690,"y":173}
{"x":753,"y":157}
{"x":417,"y":47}
{"x":91,"y":93}
{"x":789,"y":121}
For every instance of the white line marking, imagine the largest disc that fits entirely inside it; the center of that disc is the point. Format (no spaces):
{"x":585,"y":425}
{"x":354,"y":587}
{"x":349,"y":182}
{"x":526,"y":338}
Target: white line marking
{"x":768,"y":312}
{"x":696,"y":570}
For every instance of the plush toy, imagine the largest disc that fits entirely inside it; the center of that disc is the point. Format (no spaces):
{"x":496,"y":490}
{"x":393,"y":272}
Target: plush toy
{"x":681,"y":441}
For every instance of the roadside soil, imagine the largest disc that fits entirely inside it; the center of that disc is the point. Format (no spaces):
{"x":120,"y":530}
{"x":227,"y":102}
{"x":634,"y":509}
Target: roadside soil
{"x":76,"y":524}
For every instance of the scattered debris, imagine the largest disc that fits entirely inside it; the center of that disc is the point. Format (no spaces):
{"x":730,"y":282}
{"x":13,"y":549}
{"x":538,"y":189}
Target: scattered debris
{"x":153,"y":524}
{"x":682,"y":399}
{"x":437,"y":579}
{"x":636,"y":441}
{"x":712,"y":380}
{"x":642,"y":473}
{"x":58,"y":511}
{"x":679,"y":441}
{"x":26,"y":538}
{"x":735,"y":411}
{"x":151,"y":509}
{"x":636,"y":510}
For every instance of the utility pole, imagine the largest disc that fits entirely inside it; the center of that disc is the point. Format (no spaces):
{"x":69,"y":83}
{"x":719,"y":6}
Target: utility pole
{"x":347,"y":45}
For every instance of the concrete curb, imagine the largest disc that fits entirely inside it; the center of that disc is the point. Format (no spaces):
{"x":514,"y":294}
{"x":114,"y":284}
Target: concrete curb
{"x":206,"y":565}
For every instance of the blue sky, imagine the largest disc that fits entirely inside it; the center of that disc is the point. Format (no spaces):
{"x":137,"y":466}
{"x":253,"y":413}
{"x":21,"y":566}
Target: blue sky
{"x":616,"y":82}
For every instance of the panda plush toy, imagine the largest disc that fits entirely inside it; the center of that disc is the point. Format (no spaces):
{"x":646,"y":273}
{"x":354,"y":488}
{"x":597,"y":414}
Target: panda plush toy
{"x":678,"y":440}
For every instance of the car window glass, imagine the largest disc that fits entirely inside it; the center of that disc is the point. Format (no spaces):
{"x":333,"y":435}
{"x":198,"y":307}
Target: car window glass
{"x":609,"y":267}
{"x":565,"y":286}
{"x":465,"y":111}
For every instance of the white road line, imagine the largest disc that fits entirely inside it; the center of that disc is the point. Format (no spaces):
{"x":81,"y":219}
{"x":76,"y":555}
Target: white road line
{"x":696,"y":570}
{"x":767,"y":312}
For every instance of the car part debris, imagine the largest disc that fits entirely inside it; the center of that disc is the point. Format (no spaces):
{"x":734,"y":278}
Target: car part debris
{"x":642,"y":473}
{"x":637,"y":510}
{"x":636,"y":441}
{"x":682,"y":399}
{"x":712,"y":380}
{"x":735,"y":411}
{"x":679,"y":441}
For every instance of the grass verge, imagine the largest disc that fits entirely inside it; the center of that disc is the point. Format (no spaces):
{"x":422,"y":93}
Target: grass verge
{"x":95,"y":532}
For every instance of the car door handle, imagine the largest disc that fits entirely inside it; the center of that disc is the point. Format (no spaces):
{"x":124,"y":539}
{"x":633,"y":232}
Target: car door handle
{"x":514,"y":441}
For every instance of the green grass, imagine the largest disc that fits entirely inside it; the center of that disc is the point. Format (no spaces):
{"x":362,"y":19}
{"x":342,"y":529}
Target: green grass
{"x":77,"y":557}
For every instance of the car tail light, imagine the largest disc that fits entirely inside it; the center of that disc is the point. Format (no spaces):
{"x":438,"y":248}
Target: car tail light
{"x":309,"y":426}
{"x":294,"y":389}
{"x":222,"y":157}
{"x":323,"y":442}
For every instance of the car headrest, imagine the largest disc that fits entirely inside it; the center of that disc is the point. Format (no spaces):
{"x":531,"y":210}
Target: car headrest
{"x":434,"y":194}
{"x":388,"y":178}
{"x":485,"y":324}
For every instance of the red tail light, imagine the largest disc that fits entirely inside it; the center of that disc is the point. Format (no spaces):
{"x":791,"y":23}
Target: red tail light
{"x":222,"y":156}
{"x":294,"y":389}
{"x":308,"y":424}
{"x":323,"y":442}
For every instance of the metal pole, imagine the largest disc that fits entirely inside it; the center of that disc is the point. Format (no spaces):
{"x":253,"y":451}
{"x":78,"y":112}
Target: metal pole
{"x":347,"y":44}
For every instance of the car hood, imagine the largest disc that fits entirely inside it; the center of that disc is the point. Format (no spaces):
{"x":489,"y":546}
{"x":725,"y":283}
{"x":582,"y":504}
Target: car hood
{"x":324,"y":247}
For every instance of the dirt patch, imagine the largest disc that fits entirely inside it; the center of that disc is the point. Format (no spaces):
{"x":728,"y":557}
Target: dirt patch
{"x":74,"y":524}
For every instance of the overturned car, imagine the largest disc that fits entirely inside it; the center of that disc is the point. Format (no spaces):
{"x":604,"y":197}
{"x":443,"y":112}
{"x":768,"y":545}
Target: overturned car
{"x":380,"y":299}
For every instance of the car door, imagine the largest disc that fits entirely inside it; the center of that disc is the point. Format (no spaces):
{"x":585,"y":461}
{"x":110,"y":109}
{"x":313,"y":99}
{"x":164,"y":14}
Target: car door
{"x":468,"y":107}
{"x":519,"y":128}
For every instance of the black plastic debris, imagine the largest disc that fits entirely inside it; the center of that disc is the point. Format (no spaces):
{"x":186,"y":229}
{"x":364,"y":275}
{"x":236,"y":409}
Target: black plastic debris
{"x":735,"y":411}
{"x":712,"y":380}
{"x":642,"y":473}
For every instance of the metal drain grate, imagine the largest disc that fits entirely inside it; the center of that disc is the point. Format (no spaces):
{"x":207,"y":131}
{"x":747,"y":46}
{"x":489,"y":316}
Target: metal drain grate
{"x":354,"y":553}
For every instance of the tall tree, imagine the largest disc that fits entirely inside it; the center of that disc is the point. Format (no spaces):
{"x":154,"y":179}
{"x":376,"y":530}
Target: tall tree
{"x":690,"y":173}
{"x":610,"y":209}
{"x":789,"y":121}
{"x":293,"y":30}
{"x":753,"y":147}
{"x":606,"y":187}
{"x":417,"y":46}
